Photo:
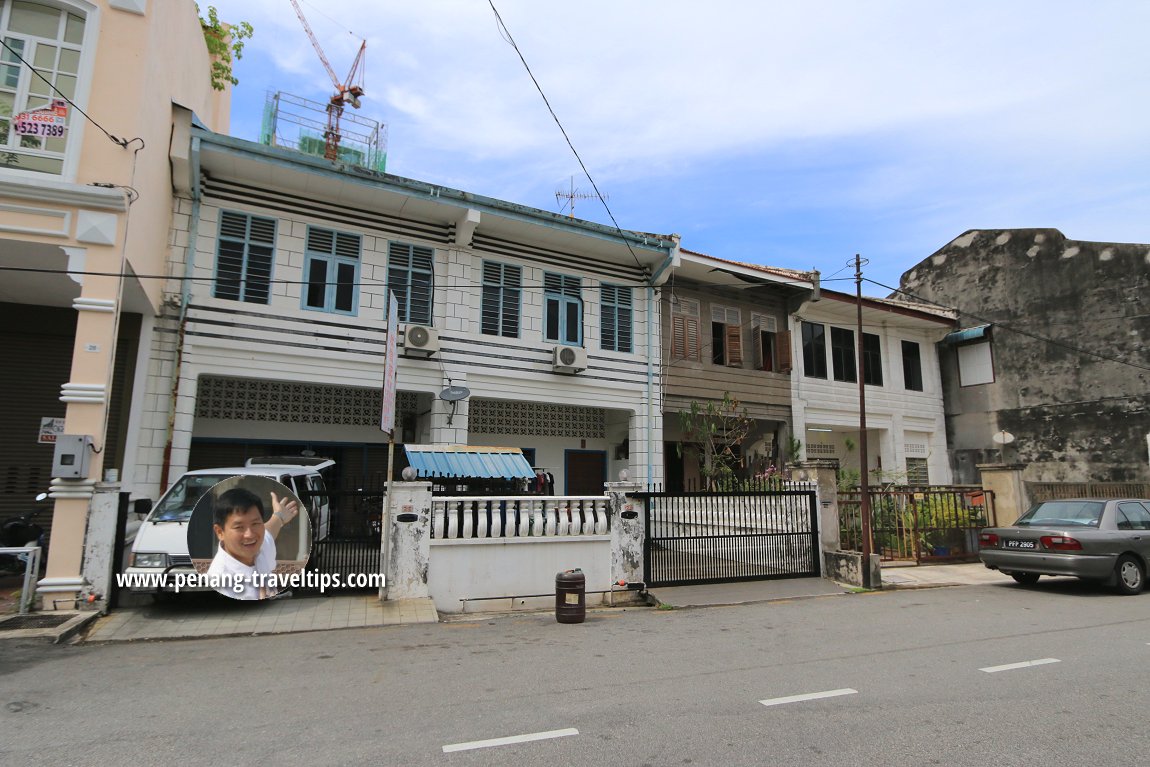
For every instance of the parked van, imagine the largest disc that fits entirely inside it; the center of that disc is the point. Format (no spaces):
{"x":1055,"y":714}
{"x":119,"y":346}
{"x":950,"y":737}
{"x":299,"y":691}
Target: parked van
{"x":161,"y":541}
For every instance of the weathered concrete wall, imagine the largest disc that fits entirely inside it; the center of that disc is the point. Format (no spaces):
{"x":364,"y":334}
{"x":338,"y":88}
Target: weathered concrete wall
{"x":1071,"y":320}
{"x":847,"y":567}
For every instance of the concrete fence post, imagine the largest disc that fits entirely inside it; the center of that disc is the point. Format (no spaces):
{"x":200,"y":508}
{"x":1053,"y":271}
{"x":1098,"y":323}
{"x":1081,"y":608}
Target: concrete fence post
{"x":628,"y":531}
{"x":825,"y":476}
{"x":410,"y":541}
{"x":99,"y":545}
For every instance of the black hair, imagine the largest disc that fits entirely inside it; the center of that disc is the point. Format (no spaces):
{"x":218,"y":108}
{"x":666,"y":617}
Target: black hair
{"x":235,"y":501}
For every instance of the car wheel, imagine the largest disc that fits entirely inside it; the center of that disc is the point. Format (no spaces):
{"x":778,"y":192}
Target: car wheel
{"x":1130,"y":576}
{"x":1026,"y":579}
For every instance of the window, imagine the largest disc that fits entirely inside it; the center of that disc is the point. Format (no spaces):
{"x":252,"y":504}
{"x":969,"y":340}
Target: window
{"x":244,"y":257}
{"x":726,"y":336}
{"x":1133,"y":516}
{"x":814,"y":350}
{"x":49,"y":39}
{"x":843,"y":354}
{"x":872,"y":359}
{"x":410,"y":276}
{"x":502,"y":287}
{"x":684,"y":328}
{"x":911,"y":366}
{"x":563,"y":310}
{"x":975,"y":364}
{"x":764,"y":338}
{"x":615,"y":308}
{"x":331,"y":271}
{"x":916,"y":472}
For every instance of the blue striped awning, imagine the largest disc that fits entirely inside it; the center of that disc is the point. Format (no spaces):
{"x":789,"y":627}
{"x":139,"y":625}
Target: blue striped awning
{"x":966,"y":335}
{"x":468,"y":461}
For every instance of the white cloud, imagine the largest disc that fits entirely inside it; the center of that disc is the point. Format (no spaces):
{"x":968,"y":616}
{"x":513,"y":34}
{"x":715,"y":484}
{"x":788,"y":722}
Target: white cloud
{"x":934,"y":113}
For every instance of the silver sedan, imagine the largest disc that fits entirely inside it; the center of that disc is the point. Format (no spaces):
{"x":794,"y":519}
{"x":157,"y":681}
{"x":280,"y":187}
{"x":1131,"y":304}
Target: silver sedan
{"x":1100,"y":539}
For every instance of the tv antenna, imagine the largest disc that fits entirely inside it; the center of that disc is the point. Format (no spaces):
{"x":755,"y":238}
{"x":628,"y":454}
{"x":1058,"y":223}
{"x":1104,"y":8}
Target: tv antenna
{"x":347,"y":91}
{"x":572,"y":194}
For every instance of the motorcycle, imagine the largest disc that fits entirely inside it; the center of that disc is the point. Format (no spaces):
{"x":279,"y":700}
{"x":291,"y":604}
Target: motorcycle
{"x":22,"y":531}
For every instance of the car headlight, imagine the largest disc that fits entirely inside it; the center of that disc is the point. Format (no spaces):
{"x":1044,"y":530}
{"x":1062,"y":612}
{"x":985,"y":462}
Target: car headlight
{"x":150,"y":560}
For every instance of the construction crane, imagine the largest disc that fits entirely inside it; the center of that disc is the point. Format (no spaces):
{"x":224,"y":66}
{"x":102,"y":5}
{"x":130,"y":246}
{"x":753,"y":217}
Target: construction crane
{"x":346,"y":92}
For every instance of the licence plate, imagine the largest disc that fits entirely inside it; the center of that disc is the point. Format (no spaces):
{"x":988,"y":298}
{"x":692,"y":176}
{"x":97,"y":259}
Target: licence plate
{"x":1020,"y":544}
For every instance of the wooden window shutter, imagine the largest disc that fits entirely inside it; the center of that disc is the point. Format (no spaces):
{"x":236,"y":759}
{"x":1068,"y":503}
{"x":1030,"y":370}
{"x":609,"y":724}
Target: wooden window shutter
{"x":757,"y":346}
{"x":692,"y":338}
{"x":678,"y":337}
{"x":734,"y":341}
{"x":783,"y":343}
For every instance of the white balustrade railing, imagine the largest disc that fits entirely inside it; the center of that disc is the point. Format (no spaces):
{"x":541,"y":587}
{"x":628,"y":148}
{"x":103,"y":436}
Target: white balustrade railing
{"x":529,"y":516}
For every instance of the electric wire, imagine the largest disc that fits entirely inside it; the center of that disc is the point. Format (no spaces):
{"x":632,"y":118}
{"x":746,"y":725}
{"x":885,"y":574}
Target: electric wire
{"x":1014,"y":329}
{"x":121,"y":142}
{"x":506,"y":34}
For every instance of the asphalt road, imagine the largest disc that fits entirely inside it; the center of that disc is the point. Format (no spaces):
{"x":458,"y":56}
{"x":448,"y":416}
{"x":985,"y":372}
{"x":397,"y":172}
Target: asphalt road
{"x":903,"y":673}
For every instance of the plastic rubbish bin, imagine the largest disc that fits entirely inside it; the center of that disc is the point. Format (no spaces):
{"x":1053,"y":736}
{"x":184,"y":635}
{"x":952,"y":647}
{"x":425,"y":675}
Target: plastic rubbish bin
{"x":570,"y":596}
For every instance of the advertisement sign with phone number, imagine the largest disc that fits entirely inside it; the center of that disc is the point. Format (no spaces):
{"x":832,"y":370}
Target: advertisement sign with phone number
{"x":48,"y":122}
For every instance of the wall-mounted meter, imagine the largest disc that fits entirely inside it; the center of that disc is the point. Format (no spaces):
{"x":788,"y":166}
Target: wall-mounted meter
{"x":71,"y":458}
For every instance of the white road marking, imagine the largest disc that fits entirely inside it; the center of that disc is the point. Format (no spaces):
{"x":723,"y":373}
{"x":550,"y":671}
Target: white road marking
{"x":808,"y":696}
{"x":510,"y":739}
{"x":1024,"y":664}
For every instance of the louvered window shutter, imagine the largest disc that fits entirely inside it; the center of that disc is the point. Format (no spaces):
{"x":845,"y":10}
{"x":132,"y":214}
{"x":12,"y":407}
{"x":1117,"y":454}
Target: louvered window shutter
{"x":678,"y":337}
{"x":734,"y":341}
{"x":783,"y":342}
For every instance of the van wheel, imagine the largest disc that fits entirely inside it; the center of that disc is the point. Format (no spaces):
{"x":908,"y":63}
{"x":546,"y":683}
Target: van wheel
{"x":1130,"y":577}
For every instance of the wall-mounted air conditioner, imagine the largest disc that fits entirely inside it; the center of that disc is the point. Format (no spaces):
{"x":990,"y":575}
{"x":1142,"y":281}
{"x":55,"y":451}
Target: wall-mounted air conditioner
{"x":421,"y":339}
{"x":569,"y":359}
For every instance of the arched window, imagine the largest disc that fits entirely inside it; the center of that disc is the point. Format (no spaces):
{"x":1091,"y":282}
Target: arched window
{"x":33,"y":135}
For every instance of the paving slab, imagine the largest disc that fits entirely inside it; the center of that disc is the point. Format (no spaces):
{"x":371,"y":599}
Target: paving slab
{"x":199,"y":617}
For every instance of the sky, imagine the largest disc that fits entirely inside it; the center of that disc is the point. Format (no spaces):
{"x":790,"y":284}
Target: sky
{"x":789,"y":134}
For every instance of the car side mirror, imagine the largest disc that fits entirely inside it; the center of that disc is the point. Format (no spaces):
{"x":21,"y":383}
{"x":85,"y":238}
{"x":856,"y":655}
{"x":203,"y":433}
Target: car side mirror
{"x":141,"y":506}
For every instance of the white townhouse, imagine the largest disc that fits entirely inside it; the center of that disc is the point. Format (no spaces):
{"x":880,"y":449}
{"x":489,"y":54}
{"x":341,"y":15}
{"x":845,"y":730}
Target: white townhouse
{"x":906,"y":429}
{"x":275,"y":332}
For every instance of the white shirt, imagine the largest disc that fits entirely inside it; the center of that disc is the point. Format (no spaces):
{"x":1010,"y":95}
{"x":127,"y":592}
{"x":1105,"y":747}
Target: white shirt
{"x":225,"y":564}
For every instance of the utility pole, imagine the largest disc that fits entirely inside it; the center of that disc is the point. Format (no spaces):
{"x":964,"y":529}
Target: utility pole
{"x":864,"y":481}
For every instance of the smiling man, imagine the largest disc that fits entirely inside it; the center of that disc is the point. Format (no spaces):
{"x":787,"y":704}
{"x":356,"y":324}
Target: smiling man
{"x":247,"y":551}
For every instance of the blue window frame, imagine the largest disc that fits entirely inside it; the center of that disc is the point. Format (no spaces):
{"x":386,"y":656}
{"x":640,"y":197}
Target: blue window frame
{"x":502,"y":290}
{"x":563,"y":309}
{"x":331,"y":271}
{"x":244,"y":258}
{"x":615,"y":308}
{"x":411,"y":278}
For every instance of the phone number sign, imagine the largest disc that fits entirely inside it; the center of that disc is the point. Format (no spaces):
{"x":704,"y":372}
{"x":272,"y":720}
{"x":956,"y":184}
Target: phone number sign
{"x":49,"y":121}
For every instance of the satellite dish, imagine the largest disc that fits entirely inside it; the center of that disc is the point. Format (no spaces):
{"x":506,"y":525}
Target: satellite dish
{"x":1003,"y":438}
{"x":454,"y":393}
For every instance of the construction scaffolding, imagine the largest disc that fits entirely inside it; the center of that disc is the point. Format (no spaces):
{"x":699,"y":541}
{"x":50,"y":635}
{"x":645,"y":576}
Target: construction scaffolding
{"x":300,"y":124}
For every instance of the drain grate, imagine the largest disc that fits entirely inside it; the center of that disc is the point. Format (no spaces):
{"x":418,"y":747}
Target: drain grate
{"x":33,"y":622}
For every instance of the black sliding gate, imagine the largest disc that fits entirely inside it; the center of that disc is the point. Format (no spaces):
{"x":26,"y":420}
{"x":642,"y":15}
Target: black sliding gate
{"x":696,"y":538}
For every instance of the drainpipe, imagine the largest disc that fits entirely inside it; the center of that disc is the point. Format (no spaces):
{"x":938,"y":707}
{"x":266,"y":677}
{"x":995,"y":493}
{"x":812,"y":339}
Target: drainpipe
{"x":185,"y":298}
{"x":654,"y":311}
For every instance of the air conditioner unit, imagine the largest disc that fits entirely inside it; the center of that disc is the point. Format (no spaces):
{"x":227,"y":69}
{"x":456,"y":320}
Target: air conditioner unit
{"x":569,"y":359}
{"x":421,"y":339}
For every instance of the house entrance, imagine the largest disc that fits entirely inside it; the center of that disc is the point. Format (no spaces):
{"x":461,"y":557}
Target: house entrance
{"x":585,"y":472}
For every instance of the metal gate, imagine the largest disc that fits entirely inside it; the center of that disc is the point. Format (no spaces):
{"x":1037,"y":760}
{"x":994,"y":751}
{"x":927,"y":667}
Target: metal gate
{"x":918,"y":525}
{"x":696,"y":538}
{"x":352,"y":545}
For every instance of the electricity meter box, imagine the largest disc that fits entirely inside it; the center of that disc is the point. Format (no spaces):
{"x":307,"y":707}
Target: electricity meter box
{"x":71,"y":458}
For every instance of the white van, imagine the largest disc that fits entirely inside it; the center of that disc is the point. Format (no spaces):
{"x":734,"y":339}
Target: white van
{"x":161,"y":541}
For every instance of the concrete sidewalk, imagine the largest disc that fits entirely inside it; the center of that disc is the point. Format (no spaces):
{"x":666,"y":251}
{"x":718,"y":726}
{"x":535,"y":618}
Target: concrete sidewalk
{"x":200,"y":615}
{"x":926,"y":576}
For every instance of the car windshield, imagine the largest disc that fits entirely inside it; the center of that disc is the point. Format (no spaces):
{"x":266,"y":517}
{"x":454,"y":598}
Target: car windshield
{"x":1057,"y":513}
{"x":177,"y":503}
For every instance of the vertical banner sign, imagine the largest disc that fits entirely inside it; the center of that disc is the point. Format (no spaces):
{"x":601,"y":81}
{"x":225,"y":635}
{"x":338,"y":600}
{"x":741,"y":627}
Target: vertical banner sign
{"x":387,"y":421}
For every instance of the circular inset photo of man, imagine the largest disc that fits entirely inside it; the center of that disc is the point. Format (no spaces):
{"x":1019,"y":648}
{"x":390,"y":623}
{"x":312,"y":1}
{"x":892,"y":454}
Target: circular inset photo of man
{"x":248,"y":536}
